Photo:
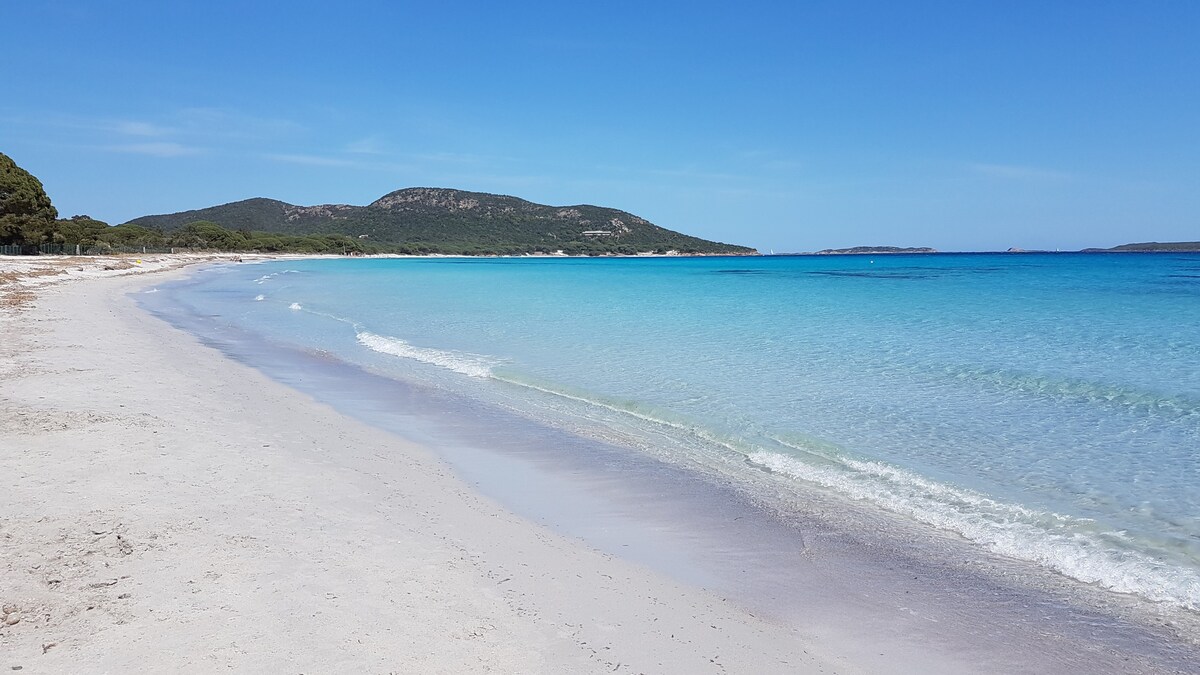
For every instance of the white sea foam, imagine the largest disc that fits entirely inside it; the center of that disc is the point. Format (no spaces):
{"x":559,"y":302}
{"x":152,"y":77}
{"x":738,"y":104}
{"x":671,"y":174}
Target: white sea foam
{"x":267,"y":277}
{"x":295,"y":306}
{"x":1070,"y":546}
{"x":152,"y":290}
{"x":474,"y":365}
{"x":259,"y":298}
{"x":1066,"y":545}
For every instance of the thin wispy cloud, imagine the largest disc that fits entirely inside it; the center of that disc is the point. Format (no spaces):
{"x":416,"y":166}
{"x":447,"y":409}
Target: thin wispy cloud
{"x":1017,"y":172}
{"x":458,"y":158}
{"x":182,"y":132}
{"x":136,"y":128}
{"x":158,"y":149}
{"x":336,"y":161}
{"x":370,"y":145}
{"x":691,"y":173}
{"x":771,"y":160}
{"x":91,"y":125}
{"x":783,"y":164}
{"x":221,"y":123}
{"x":310,"y":160}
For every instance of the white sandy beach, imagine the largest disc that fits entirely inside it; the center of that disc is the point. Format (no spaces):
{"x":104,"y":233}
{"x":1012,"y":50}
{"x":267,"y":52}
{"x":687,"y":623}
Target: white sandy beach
{"x":165,"y":509}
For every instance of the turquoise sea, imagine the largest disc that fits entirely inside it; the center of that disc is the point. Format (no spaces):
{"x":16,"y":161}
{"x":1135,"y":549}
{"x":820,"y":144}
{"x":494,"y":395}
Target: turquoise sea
{"x":1045,"y":407}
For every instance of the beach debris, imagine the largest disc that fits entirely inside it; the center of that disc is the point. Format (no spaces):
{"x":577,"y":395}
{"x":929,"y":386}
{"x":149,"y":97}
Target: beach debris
{"x":48,"y":646}
{"x":124,"y":546}
{"x":103,"y":584}
{"x":12,"y":619}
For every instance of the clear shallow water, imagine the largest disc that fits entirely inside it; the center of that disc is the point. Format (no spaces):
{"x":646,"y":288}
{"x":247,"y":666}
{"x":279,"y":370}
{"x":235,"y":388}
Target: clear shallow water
{"x":1046,"y":407}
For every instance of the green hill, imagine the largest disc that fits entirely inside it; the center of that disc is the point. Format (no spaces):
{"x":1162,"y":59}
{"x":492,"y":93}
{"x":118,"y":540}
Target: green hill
{"x":437,"y":220}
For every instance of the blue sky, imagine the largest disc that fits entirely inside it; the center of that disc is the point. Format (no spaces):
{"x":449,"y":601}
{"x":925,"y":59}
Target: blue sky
{"x":785,"y":126}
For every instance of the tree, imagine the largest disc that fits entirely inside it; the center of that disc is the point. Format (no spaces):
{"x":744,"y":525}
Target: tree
{"x":207,"y":234}
{"x":26,"y":214}
{"x":132,"y":235}
{"x":79,"y":230}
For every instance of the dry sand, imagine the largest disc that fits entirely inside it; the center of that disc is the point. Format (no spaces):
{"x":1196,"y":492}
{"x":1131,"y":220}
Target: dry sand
{"x":165,"y":509}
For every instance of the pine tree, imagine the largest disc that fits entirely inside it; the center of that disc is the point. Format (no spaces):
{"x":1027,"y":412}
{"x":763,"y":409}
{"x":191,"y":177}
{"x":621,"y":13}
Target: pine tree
{"x":26,"y":214}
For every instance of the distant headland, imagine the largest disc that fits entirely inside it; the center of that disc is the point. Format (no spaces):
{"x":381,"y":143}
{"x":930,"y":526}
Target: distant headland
{"x":448,"y":221}
{"x":1151,"y":247}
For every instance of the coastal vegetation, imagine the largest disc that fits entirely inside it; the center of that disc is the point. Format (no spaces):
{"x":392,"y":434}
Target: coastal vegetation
{"x":412,"y":221}
{"x":25,"y":209}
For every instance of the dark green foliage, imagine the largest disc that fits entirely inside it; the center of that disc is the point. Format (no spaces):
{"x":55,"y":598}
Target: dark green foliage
{"x":434,"y":220}
{"x":133,"y":235}
{"x":97,"y":237}
{"x":83,"y":230}
{"x":26,"y":214}
{"x":207,"y":235}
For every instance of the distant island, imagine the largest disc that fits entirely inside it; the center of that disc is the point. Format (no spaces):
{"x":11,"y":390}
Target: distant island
{"x":439,"y":221}
{"x":862,"y":250}
{"x":1150,"y":247}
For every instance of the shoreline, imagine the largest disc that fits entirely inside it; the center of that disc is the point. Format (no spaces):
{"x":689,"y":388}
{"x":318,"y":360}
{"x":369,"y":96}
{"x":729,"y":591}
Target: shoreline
{"x":539,"y":579}
{"x":853,"y":570}
{"x":168,"y":509}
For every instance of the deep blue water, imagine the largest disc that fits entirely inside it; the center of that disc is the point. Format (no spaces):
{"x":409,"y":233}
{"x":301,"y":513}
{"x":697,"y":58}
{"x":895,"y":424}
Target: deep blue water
{"x":1046,"y":407}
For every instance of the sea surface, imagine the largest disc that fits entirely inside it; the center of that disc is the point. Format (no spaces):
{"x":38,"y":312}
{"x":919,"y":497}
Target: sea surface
{"x":1045,"y":407}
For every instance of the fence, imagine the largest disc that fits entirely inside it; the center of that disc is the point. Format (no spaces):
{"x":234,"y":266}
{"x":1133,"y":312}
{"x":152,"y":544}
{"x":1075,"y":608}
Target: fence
{"x":84,"y":249}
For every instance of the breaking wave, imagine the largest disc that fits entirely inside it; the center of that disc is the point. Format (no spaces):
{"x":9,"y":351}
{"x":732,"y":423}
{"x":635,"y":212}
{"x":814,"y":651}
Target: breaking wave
{"x":474,"y":365}
{"x":1071,"y":546}
{"x":267,"y":277}
{"x":1075,"y":547}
